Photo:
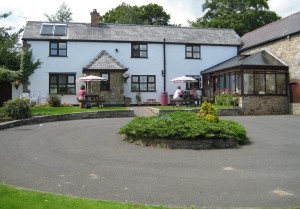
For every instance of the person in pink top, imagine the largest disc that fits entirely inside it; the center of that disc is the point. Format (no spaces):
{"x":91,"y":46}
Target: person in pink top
{"x":81,"y":96}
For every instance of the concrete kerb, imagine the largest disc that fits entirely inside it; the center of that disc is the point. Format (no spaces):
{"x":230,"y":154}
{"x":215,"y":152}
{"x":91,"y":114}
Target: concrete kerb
{"x":65,"y":117}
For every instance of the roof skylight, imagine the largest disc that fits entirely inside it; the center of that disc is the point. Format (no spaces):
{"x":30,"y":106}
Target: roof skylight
{"x":53,"y":29}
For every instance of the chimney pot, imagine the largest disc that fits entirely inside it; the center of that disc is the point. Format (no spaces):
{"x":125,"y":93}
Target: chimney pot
{"x":95,"y":18}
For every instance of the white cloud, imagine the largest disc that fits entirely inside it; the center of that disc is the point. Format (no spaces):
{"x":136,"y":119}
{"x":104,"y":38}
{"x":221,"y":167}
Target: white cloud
{"x":284,"y":8}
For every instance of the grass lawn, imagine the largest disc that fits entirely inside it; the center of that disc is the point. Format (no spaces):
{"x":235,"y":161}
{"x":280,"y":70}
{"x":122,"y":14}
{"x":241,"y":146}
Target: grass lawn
{"x":16,"y":198}
{"x":65,"y":110}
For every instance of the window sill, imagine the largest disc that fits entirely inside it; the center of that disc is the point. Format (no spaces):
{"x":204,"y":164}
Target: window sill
{"x":57,"y":56}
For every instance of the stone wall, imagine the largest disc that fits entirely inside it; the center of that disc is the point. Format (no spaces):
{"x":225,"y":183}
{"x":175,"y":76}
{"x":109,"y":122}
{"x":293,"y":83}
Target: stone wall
{"x":235,"y":111}
{"x":295,"y":108}
{"x":64,"y":117}
{"x":288,"y":50}
{"x":186,"y":144}
{"x":116,"y":93}
{"x":264,"y":105}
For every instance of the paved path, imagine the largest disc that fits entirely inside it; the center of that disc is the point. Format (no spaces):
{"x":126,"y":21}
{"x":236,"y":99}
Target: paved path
{"x":141,"y":111}
{"x":88,"y":158}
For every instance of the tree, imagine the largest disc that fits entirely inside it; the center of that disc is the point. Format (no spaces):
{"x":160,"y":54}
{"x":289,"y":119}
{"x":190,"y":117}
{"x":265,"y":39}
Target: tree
{"x":63,"y":14}
{"x":242,"y":16}
{"x":9,"y":46}
{"x":154,"y":14}
{"x":16,"y":62}
{"x":28,"y":65}
{"x":151,"y":14}
{"x":123,"y":14}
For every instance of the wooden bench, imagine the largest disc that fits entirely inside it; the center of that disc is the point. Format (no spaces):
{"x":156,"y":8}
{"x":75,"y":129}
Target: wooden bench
{"x":176,"y":102}
{"x":151,"y":102}
{"x":187,"y":100}
{"x":94,"y":100}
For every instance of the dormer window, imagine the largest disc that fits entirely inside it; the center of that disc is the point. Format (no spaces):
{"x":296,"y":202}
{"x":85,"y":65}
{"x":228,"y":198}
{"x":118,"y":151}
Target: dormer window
{"x":53,"y":29}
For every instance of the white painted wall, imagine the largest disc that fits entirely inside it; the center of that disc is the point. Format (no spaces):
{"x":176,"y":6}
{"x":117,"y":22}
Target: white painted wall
{"x":82,"y":53}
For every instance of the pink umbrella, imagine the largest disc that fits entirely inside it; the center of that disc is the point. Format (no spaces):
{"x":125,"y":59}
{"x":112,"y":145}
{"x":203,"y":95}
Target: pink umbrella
{"x":183,"y":79}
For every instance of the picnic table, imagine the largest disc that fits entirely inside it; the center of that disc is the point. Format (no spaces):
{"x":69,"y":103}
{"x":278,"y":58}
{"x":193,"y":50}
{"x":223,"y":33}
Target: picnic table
{"x":94,"y":99}
{"x":187,"y":100}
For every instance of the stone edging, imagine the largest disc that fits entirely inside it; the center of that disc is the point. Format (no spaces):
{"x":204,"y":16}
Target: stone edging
{"x":186,"y":144}
{"x":235,"y":111}
{"x":64,"y":117}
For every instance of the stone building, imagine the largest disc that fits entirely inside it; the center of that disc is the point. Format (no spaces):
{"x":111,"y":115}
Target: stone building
{"x":259,"y":79}
{"x":282,"y":39}
{"x":266,"y":74}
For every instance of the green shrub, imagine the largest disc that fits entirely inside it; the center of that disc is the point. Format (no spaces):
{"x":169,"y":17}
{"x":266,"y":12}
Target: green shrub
{"x":54,"y":100}
{"x":2,"y":113}
{"x":208,"y":112}
{"x":182,"y":126}
{"x":17,"y":108}
{"x":226,"y":98}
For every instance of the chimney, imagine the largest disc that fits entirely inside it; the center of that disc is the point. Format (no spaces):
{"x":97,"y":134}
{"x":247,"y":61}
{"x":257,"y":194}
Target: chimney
{"x":95,"y":18}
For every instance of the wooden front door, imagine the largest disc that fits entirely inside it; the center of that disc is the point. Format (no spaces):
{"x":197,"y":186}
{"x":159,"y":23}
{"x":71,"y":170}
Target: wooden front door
{"x":5,"y":92}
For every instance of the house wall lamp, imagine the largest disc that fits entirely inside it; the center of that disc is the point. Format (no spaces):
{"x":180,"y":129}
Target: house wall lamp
{"x":16,"y":83}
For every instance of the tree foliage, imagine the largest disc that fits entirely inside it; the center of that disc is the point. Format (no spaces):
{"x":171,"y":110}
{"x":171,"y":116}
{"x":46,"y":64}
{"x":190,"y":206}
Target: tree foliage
{"x":123,"y":14}
{"x":28,"y":65}
{"x":154,"y":14}
{"x":16,"y":62}
{"x":151,"y":14}
{"x":242,"y":16}
{"x":8,"y":75}
{"x":9,"y":46}
{"x":63,"y":14}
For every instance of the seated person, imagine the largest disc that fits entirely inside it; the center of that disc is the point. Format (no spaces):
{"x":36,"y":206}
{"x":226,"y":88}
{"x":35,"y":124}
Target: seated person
{"x":195,"y":95}
{"x":178,"y":95}
{"x":81,"y":96}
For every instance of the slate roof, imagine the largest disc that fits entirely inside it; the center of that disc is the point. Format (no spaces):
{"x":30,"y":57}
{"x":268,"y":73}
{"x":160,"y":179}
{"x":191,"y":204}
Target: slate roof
{"x":130,"y":33}
{"x":258,"y":59}
{"x":271,"y":32}
{"x":104,"y":61}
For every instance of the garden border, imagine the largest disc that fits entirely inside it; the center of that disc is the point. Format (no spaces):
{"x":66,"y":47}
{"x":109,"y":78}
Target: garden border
{"x":201,"y":144}
{"x":234,"y":111}
{"x":65,"y":117}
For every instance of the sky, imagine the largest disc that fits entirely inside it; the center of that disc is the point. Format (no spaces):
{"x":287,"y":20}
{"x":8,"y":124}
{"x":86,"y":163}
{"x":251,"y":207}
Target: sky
{"x":180,"y":10}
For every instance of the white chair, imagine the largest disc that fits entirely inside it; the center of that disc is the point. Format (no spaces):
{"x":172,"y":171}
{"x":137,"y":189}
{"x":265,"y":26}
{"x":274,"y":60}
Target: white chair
{"x":24,"y":95}
{"x":43,"y":98}
{"x":34,"y":97}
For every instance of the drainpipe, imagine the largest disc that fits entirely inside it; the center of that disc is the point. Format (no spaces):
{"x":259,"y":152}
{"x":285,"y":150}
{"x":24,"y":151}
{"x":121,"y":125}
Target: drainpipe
{"x":164,"y":70}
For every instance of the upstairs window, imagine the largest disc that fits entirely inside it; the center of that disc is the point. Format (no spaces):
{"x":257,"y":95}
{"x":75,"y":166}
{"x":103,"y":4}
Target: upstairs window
{"x":139,"y":50}
{"x":58,"y":48}
{"x":192,"y":52}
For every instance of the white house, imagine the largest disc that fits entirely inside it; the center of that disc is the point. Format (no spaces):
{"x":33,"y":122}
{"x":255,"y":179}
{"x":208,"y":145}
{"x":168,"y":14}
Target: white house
{"x":150,"y":55}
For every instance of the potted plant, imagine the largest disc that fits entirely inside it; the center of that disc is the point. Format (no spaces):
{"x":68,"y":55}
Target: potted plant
{"x":127,"y":101}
